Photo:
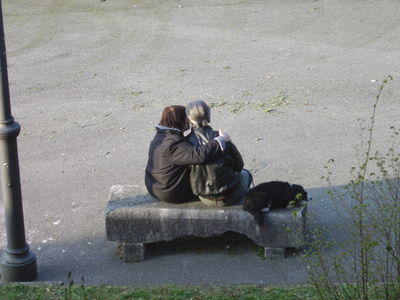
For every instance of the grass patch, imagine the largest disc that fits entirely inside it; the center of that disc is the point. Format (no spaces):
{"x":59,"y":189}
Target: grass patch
{"x":281,"y":100}
{"x":238,"y":106}
{"x":136,"y":93}
{"x":217,"y":104}
{"x":55,"y":292}
{"x":19,"y":291}
{"x":138,"y":106}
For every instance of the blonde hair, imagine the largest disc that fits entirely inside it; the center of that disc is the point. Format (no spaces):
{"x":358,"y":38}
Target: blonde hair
{"x":199,"y":113}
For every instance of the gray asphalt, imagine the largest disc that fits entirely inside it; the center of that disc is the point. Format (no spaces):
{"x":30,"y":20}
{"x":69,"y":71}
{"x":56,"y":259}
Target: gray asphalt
{"x":289,"y":80}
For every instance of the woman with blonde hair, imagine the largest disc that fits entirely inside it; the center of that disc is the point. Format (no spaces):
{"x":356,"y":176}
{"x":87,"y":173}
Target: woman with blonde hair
{"x":221,"y":181}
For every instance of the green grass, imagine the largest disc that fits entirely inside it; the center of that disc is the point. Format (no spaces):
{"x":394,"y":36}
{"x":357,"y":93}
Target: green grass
{"x":18,"y":291}
{"x":55,"y":292}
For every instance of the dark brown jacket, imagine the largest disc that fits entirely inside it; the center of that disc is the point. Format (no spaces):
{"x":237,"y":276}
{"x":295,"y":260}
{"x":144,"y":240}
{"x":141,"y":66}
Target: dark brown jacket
{"x":167,"y":171}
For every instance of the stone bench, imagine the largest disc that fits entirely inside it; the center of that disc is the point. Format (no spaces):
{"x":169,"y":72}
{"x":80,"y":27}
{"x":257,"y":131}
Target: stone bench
{"x":134,"y":219}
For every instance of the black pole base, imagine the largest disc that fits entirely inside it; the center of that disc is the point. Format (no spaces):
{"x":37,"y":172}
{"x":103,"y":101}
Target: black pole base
{"x":17,"y":267}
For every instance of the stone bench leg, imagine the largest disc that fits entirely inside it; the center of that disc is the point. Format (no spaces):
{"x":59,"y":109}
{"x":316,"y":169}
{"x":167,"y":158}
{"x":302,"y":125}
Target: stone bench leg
{"x":132,"y":252}
{"x":274,"y":253}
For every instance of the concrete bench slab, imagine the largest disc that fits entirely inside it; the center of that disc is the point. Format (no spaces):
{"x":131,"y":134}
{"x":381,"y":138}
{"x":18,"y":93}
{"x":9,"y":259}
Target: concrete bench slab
{"x":134,"y":218}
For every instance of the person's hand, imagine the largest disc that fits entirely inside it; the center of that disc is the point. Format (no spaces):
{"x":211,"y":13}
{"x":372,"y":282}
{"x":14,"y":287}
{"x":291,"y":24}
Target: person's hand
{"x":225,"y":135}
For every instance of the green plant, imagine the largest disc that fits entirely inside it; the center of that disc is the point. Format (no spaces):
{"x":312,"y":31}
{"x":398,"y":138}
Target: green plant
{"x":260,"y":251}
{"x":68,"y":287}
{"x":370,"y":265}
{"x":83,"y":288}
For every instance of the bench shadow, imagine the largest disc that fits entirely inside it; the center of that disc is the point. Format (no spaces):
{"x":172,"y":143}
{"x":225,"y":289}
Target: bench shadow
{"x":230,"y":243}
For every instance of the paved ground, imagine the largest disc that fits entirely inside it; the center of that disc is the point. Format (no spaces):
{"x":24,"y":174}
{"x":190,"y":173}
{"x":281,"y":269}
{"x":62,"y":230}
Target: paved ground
{"x":88,"y":79}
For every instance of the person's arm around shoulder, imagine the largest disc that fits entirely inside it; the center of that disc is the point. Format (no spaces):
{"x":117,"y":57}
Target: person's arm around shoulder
{"x":184,"y":153}
{"x":222,"y":139}
{"x":234,"y":153}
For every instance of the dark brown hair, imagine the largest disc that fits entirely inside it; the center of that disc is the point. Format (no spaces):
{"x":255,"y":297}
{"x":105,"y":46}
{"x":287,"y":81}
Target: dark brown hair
{"x":174,"y":116}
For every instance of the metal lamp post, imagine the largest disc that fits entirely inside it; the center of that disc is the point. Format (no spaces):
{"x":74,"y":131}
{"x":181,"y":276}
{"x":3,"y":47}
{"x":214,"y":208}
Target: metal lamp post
{"x":17,"y":263}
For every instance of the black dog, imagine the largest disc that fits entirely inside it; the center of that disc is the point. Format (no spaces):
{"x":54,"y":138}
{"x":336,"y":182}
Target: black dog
{"x":270,"y":195}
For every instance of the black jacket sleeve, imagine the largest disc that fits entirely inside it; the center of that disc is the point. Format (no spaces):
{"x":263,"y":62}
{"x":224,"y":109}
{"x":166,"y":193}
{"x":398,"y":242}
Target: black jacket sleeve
{"x":184,"y":153}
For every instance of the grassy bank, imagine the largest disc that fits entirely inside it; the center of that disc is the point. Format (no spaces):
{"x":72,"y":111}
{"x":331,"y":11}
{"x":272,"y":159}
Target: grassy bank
{"x":55,"y":292}
{"x":19,"y":291}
